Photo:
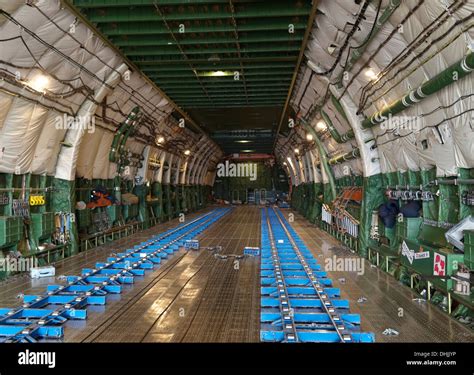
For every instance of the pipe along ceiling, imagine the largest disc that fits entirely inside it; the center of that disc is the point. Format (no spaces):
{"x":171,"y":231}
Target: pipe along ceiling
{"x":329,"y":87}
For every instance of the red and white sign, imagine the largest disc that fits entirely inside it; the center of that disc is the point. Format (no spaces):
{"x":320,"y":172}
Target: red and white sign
{"x":439,"y":265}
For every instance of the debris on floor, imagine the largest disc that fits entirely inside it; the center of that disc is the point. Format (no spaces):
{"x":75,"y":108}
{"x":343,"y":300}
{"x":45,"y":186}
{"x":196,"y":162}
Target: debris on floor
{"x":227,"y":256}
{"x":390,"y":332}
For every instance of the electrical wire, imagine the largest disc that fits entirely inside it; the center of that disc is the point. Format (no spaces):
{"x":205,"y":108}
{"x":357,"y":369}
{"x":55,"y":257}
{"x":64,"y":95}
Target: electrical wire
{"x":37,"y":38}
{"x":355,"y":27}
{"x":429,"y":113}
{"x":144,"y":101}
{"x":379,"y":48}
{"x":43,"y":70}
{"x":428,"y":126}
{"x":416,"y":57}
{"x":367,"y":38}
{"x":423,"y":35}
{"x":414,"y":69}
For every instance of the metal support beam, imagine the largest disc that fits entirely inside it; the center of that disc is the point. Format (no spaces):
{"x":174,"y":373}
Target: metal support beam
{"x":172,"y":50}
{"x":80,"y":16}
{"x":251,"y":10}
{"x":153,"y":28}
{"x":164,"y":40}
{"x":323,"y":158}
{"x":309,"y":28}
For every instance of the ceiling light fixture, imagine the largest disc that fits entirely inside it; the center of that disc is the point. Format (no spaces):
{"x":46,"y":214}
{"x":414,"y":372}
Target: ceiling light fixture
{"x":244,"y":141}
{"x":214,"y":58}
{"x":160,"y":140}
{"x":297,"y":150}
{"x":321,"y":125}
{"x":309,"y":137}
{"x":39,"y":83}
{"x":187,"y":152}
{"x":216,"y":73}
{"x":370,"y":73}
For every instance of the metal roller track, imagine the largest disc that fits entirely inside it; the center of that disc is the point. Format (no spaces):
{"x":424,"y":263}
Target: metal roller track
{"x":385,"y":295}
{"x":298,"y":303}
{"x":42,"y":316}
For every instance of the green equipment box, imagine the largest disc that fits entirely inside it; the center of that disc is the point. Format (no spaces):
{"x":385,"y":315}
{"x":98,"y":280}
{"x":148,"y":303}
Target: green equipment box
{"x":409,"y":228}
{"x":435,"y":264}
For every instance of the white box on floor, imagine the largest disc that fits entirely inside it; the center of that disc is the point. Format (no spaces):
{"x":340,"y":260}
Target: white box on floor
{"x":46,"y":271}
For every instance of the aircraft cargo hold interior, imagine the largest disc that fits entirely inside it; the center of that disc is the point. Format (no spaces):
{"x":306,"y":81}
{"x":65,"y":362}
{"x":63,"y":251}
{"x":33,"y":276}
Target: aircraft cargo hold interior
{"x":280,"y":179}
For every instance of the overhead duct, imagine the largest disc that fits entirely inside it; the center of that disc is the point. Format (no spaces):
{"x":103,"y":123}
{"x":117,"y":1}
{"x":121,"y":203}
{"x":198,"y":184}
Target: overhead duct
{"x":126,"y":126}
{"x":351,"y":155}
{"x":334,"y":132}
{"x":452,"y":74}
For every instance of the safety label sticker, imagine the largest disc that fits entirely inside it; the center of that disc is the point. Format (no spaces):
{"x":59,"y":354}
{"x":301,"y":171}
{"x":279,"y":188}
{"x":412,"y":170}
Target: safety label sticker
{"x":422,"y":255}
{"x":439,"y":265}
{"x":410,"y":254}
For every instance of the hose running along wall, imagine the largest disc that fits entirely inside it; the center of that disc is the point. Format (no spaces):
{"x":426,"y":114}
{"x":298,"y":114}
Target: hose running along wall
{"x":126,"y":126}
{"x":452,"y":74}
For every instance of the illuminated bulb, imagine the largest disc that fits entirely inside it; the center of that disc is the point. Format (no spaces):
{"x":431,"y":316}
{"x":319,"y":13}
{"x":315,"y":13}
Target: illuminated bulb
{"x":284,"y":163}
{"x":321,"y":125}
{"x":369,"y":73}
{"x":160,"y":140}
{"x":39,"y":83}
{"x":187,"y":152}
{"x":215,"y":73}
{"x":297,"y":151}
{"x":243,"y":141}
{"x":309,"y":137}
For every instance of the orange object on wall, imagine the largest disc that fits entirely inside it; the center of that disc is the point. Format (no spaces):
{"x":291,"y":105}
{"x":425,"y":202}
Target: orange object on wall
{"x":354,"y":194}
{"x":100,"y":201}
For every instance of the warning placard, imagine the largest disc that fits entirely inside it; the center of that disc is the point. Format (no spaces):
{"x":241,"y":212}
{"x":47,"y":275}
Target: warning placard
{"x":439,"y":265}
